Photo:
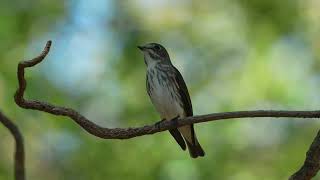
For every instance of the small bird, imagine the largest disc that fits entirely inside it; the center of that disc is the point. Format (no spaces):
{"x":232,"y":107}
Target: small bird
{"x":169,"y":94}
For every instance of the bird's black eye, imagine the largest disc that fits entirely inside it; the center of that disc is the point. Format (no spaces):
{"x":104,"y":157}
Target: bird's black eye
{"x":157,"y":47}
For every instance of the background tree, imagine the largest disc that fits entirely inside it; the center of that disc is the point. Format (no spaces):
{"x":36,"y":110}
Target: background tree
{"x":233,"y":55}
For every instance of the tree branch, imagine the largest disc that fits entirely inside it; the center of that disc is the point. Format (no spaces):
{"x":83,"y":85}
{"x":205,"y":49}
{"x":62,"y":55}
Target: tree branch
{"x":19,"y":172}
{"x":126,"y":133}
{"x":311,"y":164}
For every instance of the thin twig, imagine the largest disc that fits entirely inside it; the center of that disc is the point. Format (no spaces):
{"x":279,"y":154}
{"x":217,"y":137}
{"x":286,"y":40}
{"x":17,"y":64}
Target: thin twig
{"x":19,"y":170}
{"x":126,"y":133}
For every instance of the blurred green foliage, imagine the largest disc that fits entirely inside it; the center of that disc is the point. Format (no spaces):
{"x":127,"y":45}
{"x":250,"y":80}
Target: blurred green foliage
{"x":234,"y":55}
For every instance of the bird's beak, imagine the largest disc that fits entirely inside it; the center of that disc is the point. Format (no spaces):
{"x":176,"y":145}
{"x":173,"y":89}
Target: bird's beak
{"x":142,"y":48}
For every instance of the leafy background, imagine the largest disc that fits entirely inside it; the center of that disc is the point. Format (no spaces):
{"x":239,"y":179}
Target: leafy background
{"x":234,"y":55}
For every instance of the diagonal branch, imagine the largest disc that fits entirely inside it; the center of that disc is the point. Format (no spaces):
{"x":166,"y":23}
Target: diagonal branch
{"x":311,"y":164}
{"x":19,"y":172}
{"x":126,"y":133}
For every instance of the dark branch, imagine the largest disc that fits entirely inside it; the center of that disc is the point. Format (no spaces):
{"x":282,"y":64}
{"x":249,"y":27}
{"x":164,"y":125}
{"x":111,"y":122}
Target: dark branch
{"x":126,"y":133}
{"x":311,"y":164}
{"x":19,"y":148}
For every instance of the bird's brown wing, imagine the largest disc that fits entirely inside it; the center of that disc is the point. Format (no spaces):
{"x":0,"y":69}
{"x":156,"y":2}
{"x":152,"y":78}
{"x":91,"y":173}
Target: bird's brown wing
{"x":183,"y":92}
{"x":185,"y":98}
{"x":194,"y":147}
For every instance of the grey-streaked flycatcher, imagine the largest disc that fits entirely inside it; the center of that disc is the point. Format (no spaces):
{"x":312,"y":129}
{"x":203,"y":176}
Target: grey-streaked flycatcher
{"x":169,"y":94}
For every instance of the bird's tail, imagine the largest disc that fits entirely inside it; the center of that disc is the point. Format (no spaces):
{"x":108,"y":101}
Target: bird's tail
{"x":195,"y":149}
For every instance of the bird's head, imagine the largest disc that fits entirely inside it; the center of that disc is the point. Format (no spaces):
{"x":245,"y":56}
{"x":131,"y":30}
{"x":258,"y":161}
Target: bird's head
{"x":154,"y":53}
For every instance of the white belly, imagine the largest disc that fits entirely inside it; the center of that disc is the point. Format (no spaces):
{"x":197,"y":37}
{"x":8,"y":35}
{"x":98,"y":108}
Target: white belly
{"x":164,"y":101}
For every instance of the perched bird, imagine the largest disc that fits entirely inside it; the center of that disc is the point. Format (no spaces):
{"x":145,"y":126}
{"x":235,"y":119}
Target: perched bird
{"x":169,"y":94}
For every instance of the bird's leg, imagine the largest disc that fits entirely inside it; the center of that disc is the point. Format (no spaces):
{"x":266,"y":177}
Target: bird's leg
{"x":158,"y":123}
{"x":174,"y":120}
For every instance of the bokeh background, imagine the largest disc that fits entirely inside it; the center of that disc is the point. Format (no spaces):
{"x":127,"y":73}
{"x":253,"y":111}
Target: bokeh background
{"x":234,"y":55}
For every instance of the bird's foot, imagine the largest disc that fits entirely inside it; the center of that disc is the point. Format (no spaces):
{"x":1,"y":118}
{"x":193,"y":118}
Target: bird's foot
{"x":159,"y":123}
{"x":175,"y":120}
